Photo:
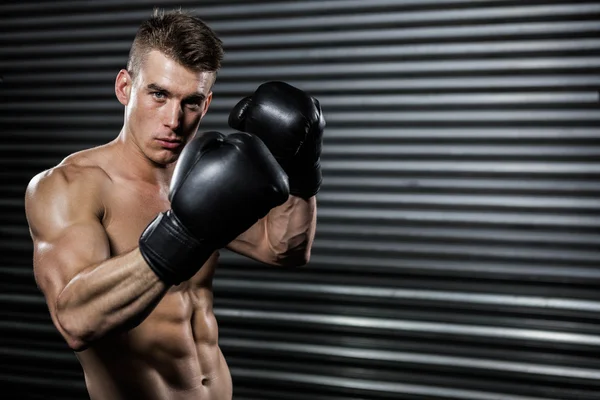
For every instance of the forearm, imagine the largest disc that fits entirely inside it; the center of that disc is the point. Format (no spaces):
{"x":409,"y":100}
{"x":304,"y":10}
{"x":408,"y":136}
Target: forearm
{"x":290,"y":230}
{"x":283,"y":237}
{"x":116,"y":293}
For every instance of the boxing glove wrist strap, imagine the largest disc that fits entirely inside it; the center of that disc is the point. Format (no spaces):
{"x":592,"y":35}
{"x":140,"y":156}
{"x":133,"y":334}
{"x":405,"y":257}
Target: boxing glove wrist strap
{"x":171,"y":251}
{"x":305,"y":182}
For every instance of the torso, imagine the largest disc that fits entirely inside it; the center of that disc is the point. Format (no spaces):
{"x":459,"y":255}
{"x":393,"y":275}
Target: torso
{"x":173,"y":354}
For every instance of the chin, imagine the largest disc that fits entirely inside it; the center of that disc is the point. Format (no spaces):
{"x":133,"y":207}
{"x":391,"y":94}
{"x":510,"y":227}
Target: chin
{"x":167,"y":161}
{"x":162,"y":159}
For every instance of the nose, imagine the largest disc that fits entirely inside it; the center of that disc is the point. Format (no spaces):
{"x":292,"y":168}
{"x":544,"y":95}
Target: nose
{"x":173,"y":114}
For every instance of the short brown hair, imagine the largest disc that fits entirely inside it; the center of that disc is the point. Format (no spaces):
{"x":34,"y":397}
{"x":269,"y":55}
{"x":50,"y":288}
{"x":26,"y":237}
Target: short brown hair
{"x":180,"y":36}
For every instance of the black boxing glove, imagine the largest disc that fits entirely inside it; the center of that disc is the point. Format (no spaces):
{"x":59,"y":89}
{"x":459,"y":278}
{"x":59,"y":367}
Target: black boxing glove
{"x":221,"y":186}
{"x":291,"y":124}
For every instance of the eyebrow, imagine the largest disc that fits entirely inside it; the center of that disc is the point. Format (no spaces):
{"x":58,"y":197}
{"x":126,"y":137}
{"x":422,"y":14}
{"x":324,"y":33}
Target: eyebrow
{"x":157,"y":88}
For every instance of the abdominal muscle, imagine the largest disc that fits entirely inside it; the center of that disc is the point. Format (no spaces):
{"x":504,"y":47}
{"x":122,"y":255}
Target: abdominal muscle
{"x":172,"y":355}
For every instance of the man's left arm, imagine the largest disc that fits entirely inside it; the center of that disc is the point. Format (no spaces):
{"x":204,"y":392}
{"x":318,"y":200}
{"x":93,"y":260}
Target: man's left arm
{"x":290,"y":122}
{"x":284,"y":237}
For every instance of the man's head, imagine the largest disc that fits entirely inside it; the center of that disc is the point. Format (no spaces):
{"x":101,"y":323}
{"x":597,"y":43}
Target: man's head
{"x":179,"y":36}
{"x":167,"y":86}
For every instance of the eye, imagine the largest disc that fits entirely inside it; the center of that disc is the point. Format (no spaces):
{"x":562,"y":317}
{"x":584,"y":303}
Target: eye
{"x":158,"y":95}
{"x":193,"y":105}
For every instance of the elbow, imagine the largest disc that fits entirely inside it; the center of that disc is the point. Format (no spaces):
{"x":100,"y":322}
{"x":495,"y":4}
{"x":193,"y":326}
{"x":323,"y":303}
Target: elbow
{"x":291,"y":253}
{"x":294,"y":259}
{"x":77,"y":345}
{"x":73,"y":330}
{"x":72,"y":333}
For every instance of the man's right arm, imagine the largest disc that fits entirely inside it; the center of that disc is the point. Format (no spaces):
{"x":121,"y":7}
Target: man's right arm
{"x":89,"y":294}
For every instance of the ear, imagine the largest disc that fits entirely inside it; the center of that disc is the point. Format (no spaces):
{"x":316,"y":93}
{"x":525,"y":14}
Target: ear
{"x":207,"y":103}
{"x":123,"y":85}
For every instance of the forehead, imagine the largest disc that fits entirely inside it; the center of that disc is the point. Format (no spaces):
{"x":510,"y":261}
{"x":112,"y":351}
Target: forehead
{"x":165,"y":72}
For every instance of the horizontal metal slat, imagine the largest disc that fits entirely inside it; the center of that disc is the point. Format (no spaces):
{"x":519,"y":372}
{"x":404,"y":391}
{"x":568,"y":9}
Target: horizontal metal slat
{"x":92,"y":136}
{"x":417,"y":345}
{"x":455,"y":314}
{"x":472,"y":202}
{"x":487,"y":332}
{"x":415,"y":377}
{"x":239,"y":10}
{"x":318,"y":21}
{"x":6,"y":150}
{"x":434,"y":234}
{"x":22,"y":299}
{"x":520,"y":99}
{"x":488,"y":117}
{"x":506,"y":30}
{"x":429,"y":51}
{"x":307,"y":55}
{"x":46,"y":79}
{"x":447,"y":217}
{"x":470,"y":32}
{"x":548,"y":272}
{"x":37,"y":355}
{"x":382,"y":184}
{"x":455,"y":251}
{"x":374,"y":386}
{"x":30,"y":328}
{"x":462,"y":151}
{"x":521,"y":135}
{"x":491,"y":167}
{"x":366,"y":68}
{"x":39,"y":381}
{"x":506,"y":301}
{"x":523,"y":370}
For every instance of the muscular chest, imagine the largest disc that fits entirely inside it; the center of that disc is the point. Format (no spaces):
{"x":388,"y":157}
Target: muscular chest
{"x":129,"y":210}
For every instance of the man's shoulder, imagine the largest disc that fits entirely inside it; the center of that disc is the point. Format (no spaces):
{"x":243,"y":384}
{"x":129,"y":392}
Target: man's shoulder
{"x":78,"y":174}
{"x":85,"y":162}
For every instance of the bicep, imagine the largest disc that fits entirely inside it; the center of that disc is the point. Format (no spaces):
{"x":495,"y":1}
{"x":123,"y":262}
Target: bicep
{"x":65,"y":254}
{"x":68,"y":237}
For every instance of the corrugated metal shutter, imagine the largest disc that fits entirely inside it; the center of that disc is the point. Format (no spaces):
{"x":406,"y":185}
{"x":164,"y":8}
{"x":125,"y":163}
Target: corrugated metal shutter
{"x":458,"y":241}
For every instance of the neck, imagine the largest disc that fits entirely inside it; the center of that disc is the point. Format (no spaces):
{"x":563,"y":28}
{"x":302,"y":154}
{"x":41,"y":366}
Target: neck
{"x":135,"y":164}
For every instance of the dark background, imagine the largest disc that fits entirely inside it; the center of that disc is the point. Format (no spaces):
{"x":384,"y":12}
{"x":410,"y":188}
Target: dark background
{"x":457,"y":251}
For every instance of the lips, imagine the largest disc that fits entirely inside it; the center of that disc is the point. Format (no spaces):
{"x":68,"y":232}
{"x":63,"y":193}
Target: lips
{"x":169,"y":143}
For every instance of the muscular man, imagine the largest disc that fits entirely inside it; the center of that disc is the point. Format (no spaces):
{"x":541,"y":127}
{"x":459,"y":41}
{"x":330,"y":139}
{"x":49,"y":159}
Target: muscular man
{"x":126,"y":235}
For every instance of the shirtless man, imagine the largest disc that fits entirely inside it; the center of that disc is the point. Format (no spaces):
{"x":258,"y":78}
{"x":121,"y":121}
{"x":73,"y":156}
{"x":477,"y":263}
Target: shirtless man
{"x":126,"y":235}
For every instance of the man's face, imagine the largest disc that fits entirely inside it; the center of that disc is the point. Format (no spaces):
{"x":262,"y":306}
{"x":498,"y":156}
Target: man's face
{"x":165,"y":105}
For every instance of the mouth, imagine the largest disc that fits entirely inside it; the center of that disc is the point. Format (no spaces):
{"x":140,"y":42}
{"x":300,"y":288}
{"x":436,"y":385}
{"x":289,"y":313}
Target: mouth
{"x":169,"y":143}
